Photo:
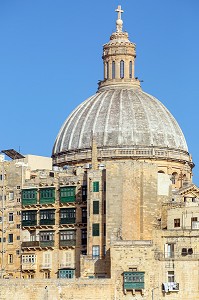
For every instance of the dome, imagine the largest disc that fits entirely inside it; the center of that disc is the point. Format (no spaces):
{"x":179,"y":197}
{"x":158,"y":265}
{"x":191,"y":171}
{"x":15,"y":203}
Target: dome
{"x":120,"y":117}
{"x":123,"y":120}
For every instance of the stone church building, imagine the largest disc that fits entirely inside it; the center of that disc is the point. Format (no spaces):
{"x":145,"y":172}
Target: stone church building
{"x":117,"y":217}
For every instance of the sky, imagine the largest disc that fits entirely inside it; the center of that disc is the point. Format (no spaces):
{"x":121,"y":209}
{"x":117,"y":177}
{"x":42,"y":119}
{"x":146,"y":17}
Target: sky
{"x":50,"y":61}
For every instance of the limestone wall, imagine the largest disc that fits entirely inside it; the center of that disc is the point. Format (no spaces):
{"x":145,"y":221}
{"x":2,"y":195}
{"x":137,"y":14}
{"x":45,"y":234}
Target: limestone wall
{"x":48,"y":289}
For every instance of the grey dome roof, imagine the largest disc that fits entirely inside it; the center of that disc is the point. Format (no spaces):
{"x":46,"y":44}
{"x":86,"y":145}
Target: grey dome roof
{"x":120,"y":117}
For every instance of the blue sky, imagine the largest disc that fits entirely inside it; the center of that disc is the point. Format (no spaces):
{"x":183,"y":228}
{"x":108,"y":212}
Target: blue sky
{"x":50,"y":61}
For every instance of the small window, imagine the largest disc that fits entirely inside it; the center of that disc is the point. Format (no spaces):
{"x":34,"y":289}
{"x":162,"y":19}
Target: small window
{"x":104,"y":186}
{"x":176,"y":222}
{"x":11,"y":196}
{"x":184,"y":251}
{"x":96,"y":229}
{"x":174,"y":178}
{"x":84,"y":215}
{"x":18,"y":226}
{"x":104,"y":229}
{"x":18,"y":187}
{"x":46,"y":275}
{"x":121,"y":69}
{"x":10,"y":258}
{"x":18,"y":237}
{"x":190,"y":251}
{"x":96,"y":186}
{"x":194,"y":219}
{"x":17,"y":252}
{"x":113,"y":70}
{"x":10,"y":217}
{"x":84,"y":236}
{"x":10,"y":238}
{"x":95,"y":207}
{"x":96,"y":251}
{"x":84,"y":192}
{"x":171,"y":277}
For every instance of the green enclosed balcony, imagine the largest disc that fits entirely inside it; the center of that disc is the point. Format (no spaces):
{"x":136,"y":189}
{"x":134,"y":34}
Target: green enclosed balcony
{"x":47,"y":222}
{"x":133,"y":280}
{"x":29,"y":223}
{"x":29,"y":218}
{"x":65,"y":243}
{"x":29,"y":196}
{"x":44,"y":244}
{"x":67,"y":216}
{"x":47,"y":195}
{"x":66,"y":273}
{"x":47,"y":217}
{"x":67,"y":194}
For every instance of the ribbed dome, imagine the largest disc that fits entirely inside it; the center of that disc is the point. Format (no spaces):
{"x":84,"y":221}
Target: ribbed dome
{"x":120,"y":117}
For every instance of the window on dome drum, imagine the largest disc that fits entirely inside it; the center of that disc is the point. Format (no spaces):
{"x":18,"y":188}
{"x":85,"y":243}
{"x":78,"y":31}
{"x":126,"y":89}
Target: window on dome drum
{"x":46,"y":238}
{"x":29,"y":218}
{"x":67,"y":238}
{"x":133,"y":280}
{"x":67,"y":194}
{"x":121,"y":69}
{"x":95,"y":207}
{"x":107,"y":70}
{"x":96,"y":186}
{"x":96,"y":231}
{"x":67,"y":215}
{"x":66,"y":273}
{"x":47,"y":217}
{"x":176,"y":222}
{"x":84,"y":215}
{"x":29,"y":196}
{"x":47,"y":195}
{"x":113,"y":70}
{"x":84,"y":236}
{"x":130,"y":69}
{"x":95,"y":251}
{"x":84,"y":192}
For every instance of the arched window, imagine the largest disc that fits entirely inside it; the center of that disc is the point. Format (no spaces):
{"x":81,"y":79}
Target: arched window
{"x":121,"y":69}
{"x":174,"y":177}
{"x":107,"y":70}
{"x":161,"y":171}
{"x":113,"y":70}
{"x":130,"y":69}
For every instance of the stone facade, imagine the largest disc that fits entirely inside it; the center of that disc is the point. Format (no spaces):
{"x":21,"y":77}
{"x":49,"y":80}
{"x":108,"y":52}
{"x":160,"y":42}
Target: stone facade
{"x":118,"y":216}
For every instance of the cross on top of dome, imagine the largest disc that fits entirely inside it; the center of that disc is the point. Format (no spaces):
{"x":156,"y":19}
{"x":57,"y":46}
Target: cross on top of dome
{"x":119,"y":21}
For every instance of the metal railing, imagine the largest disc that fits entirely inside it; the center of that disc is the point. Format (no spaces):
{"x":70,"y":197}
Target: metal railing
{"x":176,"y":256}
